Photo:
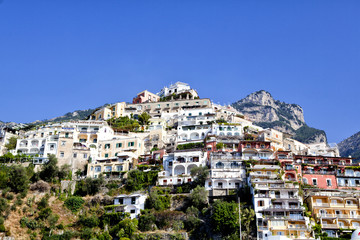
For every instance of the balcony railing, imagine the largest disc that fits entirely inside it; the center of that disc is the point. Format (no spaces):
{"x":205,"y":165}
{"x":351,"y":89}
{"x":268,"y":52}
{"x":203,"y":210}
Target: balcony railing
{"x":321,"y":204}
{"x":320,"y":172}
{"x":324,"y":225}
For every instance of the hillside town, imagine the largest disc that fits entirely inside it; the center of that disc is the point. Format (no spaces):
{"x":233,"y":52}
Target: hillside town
{"x":293,"y":190}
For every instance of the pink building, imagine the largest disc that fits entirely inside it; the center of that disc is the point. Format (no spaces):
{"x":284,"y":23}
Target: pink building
{"x":146,"y":96}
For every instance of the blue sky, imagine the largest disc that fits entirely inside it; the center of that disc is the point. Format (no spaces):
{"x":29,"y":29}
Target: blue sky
{"x":59,"y":56}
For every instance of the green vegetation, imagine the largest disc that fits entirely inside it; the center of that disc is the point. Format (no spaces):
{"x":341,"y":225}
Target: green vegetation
{"x":138,"y":180}
{"x":12,"y":143}
{"x":307,"y":134}
{"x":190,"y":146}
{"x":89,"y":186}
{"x":144,"y":119}
{"x":200,"y":174}
{"x":123,"y":123}
{"x":74,"y":203}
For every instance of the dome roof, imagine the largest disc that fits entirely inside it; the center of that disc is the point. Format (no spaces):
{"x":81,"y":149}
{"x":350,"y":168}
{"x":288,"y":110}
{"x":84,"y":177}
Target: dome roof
{"x":356,"y":235}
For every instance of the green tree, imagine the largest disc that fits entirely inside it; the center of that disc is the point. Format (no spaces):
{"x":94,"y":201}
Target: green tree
{"x":50,"y":169}
{"x":144,"y":119}
{"x":219,"y":145}
{"x":200,"y":174}
{"x":64,"y":172}
{"x":19,"y":181}
{"x":225,"y":217}
{"x":247,"y":217}
{"x":129,"y":226}
{"x":89,"y":186}
{"x":198,"y":197}
{"x":146,"y":221}
{"x":12,"y":143}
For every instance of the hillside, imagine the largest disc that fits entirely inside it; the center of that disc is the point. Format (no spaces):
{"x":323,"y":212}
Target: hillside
{"x":350,"y":146}
{"x":267,"y":112}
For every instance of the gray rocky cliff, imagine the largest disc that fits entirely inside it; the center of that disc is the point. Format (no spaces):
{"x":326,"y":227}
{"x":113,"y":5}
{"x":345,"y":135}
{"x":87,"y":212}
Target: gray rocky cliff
{"x":261,"y":108}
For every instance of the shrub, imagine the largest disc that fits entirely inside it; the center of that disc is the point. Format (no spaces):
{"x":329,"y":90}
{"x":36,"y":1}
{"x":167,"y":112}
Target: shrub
{"x":146,"y":221}
{"x":44,"y":202}
{"x":2,"y":228}
{"x":89,"y":221}
{"x":45,"y":213}
{"x":74,"y":204}
{"x":157,"y":202}
{"x":10,"y":196}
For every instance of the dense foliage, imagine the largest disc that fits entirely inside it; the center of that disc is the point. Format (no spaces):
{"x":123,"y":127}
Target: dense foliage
{"x":123,"y":123}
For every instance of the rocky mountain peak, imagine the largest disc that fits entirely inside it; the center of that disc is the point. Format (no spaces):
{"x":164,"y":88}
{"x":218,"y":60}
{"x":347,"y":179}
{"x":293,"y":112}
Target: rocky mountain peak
{"x":265,"y":111}
{"x":261,"y":97}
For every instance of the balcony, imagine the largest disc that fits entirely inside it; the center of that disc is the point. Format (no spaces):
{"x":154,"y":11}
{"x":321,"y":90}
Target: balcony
{"x":319,"y":172}
{"x":351,"y":205}
{"x":321,"y":205}
{"x":330,"y":226}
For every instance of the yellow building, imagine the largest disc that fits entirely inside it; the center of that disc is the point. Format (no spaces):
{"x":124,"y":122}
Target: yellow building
{"x":115,"y":110}
{"x":335,"y":210}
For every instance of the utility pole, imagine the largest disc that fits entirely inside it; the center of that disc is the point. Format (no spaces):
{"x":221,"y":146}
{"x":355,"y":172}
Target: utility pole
{"x":239,"y":218}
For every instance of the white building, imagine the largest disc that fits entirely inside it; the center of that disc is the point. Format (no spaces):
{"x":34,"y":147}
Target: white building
{"x":227,"y":172}
{"x":177,"y":88}
{"x":194,"y":124}
{"x":323,"y":149}
{"x":132,"y":204}
{"x":178,"y":165}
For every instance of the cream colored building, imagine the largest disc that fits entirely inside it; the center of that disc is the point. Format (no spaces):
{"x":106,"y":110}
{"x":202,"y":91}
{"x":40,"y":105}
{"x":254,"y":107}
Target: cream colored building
{"x":120,"y":144}
{"x":111,"y":167}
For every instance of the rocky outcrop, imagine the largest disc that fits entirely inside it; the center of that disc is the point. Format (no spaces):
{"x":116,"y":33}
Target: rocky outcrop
{"x":350,"y":146}
{"x":261,"y":108}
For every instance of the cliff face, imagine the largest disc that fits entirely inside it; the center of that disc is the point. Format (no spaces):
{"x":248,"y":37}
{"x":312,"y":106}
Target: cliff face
{"x":265,"y":111}
{"x":350,"y":146}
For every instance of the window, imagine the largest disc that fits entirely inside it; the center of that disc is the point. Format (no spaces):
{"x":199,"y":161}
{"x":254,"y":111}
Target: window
{"x":260,"y":203}
{"x":314,"y":181}
{"x":106,"y":155}
{"x":85,"y":155}
{"x":75,"y":155}
{"x":107,"y":145}
{"x":97,"y":168}
{"x":62,"y":154}
{"x":132,"y":211}
{"x":63,"y":143}
{"x":133,"y":200}
{"x":131,"y":144}
{"x":119,"y":145}
{"x":328,"y":182}
{"x":66,"y":135}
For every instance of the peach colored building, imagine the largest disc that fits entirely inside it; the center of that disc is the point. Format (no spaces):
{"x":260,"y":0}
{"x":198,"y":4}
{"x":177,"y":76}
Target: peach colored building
{"x":146,"y":96}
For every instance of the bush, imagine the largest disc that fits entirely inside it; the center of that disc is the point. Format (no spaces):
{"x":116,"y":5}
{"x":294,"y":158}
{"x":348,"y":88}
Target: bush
{"x":146,"y":221}
{"x":89,"y":221}
{"x":89,"y":186}
{"x":44,"y":202}
{"x":29,"y":223}
{"x":2,"y":228}
{"x":74,"y":204}
{"x":190,"y":146}
{"x":157,"y":202}
{"x":10,"y":196}
{"x":45,"y":213}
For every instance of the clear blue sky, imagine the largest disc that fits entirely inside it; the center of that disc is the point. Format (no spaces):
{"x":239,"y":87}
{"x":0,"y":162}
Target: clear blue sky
{"x":59,"y":56}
